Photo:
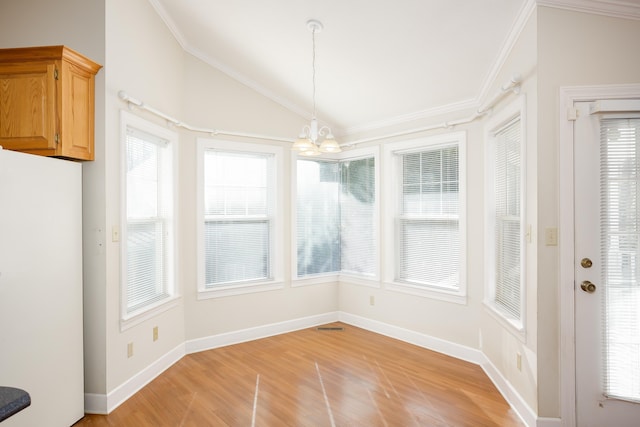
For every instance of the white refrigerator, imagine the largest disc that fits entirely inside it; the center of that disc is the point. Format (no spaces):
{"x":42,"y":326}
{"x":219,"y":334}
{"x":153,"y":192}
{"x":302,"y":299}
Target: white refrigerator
{"x":41,"y":287}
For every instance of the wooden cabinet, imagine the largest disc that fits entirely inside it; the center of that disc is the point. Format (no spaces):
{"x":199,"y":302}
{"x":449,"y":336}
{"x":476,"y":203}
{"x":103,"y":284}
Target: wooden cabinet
{"x":47,"y":97}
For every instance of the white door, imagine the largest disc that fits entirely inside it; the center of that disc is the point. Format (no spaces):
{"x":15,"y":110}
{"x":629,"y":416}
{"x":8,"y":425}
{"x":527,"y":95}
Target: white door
{"x":607,"y":266}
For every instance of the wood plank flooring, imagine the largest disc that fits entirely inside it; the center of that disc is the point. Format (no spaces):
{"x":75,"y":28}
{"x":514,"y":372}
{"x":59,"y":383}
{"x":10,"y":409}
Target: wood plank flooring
{"x":348,"y":377}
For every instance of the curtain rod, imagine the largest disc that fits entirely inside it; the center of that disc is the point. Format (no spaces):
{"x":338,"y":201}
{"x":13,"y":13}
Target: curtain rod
{"x":512,"y":85}
{"x":133,"y":102}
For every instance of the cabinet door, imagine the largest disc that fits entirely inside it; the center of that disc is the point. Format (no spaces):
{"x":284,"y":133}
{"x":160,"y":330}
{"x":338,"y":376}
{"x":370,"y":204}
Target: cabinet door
{"x":28,"y":106}
{"x":77,"y":112}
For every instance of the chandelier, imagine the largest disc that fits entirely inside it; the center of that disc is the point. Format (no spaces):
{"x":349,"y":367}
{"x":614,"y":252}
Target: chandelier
{"x":312,"y":134}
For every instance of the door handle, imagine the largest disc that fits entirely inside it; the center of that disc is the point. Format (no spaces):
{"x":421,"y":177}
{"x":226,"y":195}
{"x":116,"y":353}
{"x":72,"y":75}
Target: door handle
{"x":588,"y":287}
{"x":586,"y":263}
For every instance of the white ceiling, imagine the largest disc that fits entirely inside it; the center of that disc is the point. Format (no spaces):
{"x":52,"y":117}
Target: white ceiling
{"x":378,"y":62}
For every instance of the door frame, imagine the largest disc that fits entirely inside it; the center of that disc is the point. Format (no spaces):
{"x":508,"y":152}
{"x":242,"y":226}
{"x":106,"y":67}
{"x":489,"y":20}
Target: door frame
{"x":568,"y":96}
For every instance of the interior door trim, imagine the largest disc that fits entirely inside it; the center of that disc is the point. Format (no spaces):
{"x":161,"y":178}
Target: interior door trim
{"x":569,"y":96}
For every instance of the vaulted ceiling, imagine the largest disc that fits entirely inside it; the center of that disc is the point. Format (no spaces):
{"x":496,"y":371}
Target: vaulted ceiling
{"x":378,"y":62}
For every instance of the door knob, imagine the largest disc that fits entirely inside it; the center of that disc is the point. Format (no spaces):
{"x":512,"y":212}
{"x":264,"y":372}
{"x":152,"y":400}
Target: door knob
{"x":588,"y":287}
{"x":586,"y":263}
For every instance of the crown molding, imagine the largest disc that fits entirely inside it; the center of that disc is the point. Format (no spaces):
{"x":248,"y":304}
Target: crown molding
{"x":613,"y":8}
{"x":507,"y":46}
{"x":224,"y":68}
{"x":168,"y":21}
{"x":411,"y":117}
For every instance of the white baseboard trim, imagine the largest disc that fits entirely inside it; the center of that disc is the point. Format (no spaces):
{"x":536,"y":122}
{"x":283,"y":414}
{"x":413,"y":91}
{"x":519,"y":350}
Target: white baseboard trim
{"x":461,"y":352}
{"x":105,"y":404}
{"x":250,"y":334}
{"x":95,"y":404}
{"x":549,"y":422}
{"x":436,"y":344}
{"x":513,"y":398}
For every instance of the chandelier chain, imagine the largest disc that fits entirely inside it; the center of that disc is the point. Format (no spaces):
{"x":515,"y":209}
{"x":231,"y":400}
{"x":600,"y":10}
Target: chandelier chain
{"x":313,"y":65}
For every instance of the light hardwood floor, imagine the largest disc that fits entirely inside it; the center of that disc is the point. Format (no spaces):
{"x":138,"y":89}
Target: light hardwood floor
{"x":348,"y":377}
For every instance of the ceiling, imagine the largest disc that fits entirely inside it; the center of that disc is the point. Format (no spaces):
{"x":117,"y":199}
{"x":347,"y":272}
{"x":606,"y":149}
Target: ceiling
{"x":378,"y":62}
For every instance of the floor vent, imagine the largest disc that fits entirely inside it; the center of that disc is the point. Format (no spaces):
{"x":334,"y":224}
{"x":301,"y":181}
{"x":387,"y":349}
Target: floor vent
{"x":330,"y":328}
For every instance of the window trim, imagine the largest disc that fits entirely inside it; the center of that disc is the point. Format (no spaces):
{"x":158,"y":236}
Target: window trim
{"x":373,"y":281}
{"x":391,"y":169}
{"x":277,"y":250}
{"x":128,"y":320}
{"x":511,"y":112}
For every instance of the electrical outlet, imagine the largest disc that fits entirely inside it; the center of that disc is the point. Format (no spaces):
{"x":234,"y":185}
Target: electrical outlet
{"x":130,"y":349}
{"x":155,"y":333}
{"x":519,"y":361}
{"x":372,"y":300}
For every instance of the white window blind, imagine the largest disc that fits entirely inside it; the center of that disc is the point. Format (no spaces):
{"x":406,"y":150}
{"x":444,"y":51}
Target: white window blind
{"x":428,"y":222}
{"x":357,"y":216}
{"x":238,"y":217}
{"x":148,"y":213}
{"x":620,"y":140}
{"x":508,"y":222}
{"x":335,"y":217}
{"x":318,"y":217}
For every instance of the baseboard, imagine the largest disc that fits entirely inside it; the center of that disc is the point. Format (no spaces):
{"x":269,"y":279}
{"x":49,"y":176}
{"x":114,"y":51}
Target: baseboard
{"x":264,"y":331}
{"x":95,"y":404}
{"x":436,"y":344}
{"x":461,"y":352}
{"x":517,"y":403}
{"x":105,"y":404}
{"x":549,"y":422}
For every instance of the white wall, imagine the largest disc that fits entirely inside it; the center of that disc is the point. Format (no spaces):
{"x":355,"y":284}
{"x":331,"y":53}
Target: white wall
{"x":441,"y":319}
{"x":499,"y":343}
{"x":78,"y":24}
{"x":214,"y":100}
{"x":556,"y":48}
{"x":574,"y":49}
{"x":144,"y":59}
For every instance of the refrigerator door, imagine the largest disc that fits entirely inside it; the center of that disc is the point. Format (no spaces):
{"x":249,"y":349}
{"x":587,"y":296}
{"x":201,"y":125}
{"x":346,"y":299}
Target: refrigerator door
{"x":41,"y":287}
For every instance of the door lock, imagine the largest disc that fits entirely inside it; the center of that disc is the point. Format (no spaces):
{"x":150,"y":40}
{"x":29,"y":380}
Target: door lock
{"x":588,"y":287}
{"x":586,"y":263}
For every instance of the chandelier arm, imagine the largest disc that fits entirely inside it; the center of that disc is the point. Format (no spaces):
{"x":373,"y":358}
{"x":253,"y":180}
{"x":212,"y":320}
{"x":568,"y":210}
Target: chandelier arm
{"x":324,"y":130}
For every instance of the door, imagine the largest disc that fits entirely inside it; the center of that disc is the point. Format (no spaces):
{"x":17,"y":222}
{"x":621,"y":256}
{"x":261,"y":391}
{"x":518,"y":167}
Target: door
{"x":28,"y":106}
{"x":607,"y":288}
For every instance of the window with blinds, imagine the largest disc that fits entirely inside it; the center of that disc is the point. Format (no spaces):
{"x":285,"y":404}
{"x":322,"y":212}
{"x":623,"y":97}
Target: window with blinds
{"x":148,"y":211}
{"x":335,"y":211}
{"x":238,"y":217}
{"x":507,"y":219}
{"x":429,"y":239}
{"x":620,"y":221}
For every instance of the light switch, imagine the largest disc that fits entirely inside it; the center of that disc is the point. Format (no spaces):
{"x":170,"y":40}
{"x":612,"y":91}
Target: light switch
{"x":551,"y":236}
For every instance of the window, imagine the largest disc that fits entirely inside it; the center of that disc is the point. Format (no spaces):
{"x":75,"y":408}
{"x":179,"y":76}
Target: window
{"x":238,"y":226}
{"x":147,"y":249}
{"x":336,"y":216}
{"x":425,"y":214}
{"x":504,"y":215}
{"x":619,"y":165}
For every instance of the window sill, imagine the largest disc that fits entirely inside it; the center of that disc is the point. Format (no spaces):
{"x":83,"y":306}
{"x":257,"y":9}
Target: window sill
{"x":315,"y":280}
{"x":359,"y":280}
{"x":509,"y":323}
{"x":232,"y":290}
{"x":135,"y":318}
{"x":428,"y":292}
